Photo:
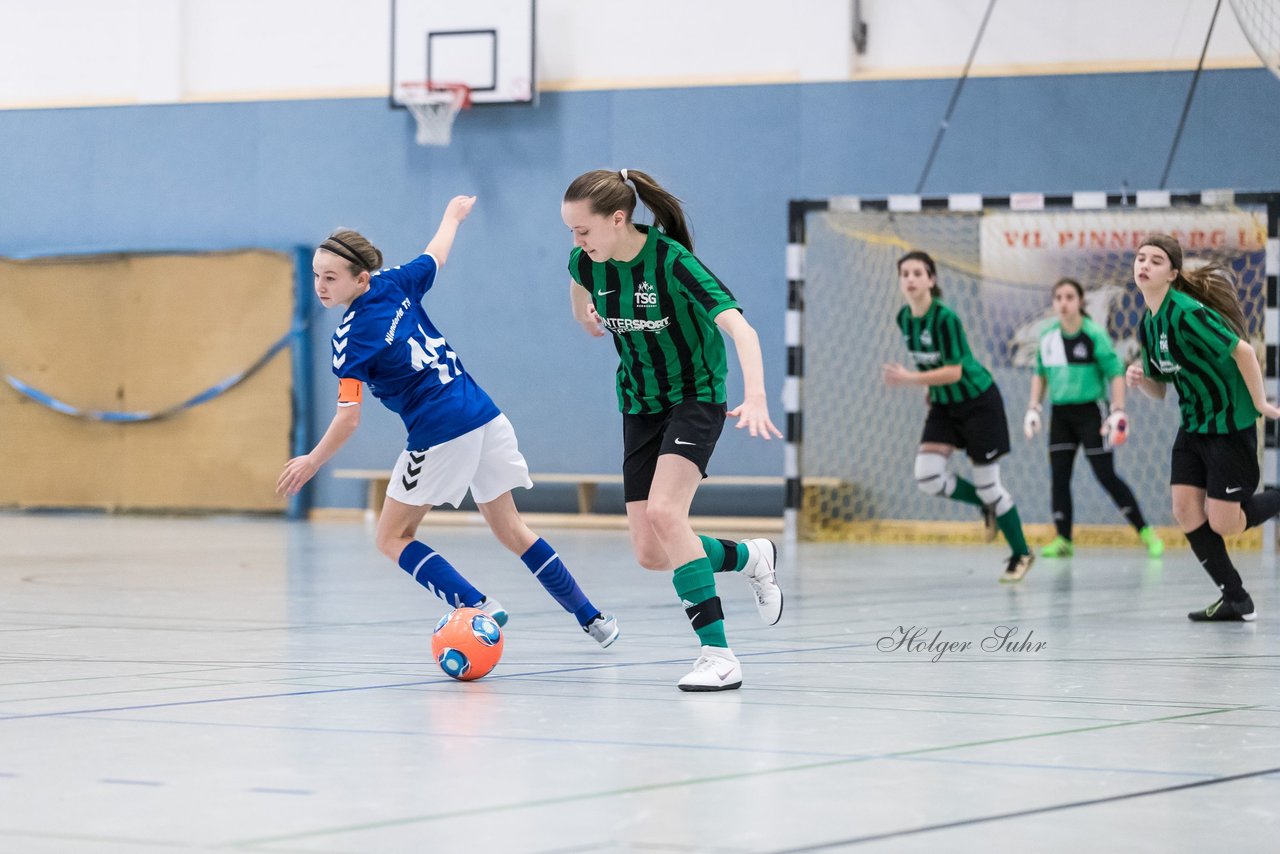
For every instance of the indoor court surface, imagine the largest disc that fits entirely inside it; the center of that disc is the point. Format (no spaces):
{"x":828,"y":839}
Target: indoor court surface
{"x":262,"y":685}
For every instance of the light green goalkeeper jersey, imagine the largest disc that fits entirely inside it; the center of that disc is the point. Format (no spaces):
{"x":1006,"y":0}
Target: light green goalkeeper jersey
{"x":1077,"y":367}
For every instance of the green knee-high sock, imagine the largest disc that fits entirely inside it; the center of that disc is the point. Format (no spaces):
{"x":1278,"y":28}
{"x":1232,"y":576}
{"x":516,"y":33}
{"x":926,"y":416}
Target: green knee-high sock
{"x":695,"y":584}
{"x":725,"y":555}
{"x":965,"y":493}
{"x":1011,"y":526}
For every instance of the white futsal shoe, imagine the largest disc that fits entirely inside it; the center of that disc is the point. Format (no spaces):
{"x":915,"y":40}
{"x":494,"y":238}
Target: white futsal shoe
{"x":717,"y":669}
{"x":603,"y":629}
{"x":761,"y":574}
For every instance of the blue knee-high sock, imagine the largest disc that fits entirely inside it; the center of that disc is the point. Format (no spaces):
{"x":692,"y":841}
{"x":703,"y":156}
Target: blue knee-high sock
{"x":433,"y":572}
{"x":552,"y":574}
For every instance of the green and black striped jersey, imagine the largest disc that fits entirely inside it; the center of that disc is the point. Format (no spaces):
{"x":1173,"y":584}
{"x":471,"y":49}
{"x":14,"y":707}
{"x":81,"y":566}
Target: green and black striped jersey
{"x":937,"y":339}
{"x":1190,"y":345}
{"x":660,"y":307}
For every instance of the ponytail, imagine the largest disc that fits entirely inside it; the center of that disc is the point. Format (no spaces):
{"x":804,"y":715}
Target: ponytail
{"x":1213,"y":285}
{"x":608,"y":191}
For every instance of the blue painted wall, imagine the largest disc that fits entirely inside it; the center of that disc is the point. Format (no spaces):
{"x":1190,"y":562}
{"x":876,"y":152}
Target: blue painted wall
{"x":284,"y":173}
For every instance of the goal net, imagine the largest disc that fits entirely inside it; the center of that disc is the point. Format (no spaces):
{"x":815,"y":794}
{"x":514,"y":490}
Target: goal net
{"x":996,"y":267}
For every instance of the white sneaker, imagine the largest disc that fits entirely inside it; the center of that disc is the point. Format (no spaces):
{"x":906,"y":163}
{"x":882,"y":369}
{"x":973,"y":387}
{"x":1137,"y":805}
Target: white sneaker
{"x":494,"y":609}
{"x":717,"y":669}
{"x":604,"y":629}
{"x":760,"y":572}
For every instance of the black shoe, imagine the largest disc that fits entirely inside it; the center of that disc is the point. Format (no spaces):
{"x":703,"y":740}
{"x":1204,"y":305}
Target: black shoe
{"x":989,"y":526}
{"x":1223,"y":611}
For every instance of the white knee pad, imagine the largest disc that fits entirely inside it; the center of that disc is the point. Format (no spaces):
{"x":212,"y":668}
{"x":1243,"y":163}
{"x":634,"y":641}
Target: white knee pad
{"x":932,"y":476}
{"x":986,"y":482}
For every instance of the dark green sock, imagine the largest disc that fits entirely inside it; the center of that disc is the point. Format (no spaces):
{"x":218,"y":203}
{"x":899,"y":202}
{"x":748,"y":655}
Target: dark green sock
{"x":964,"y":492}
{"x":695,"y":584}
{"x":1011,"y":526}
{"x":724,"y":555}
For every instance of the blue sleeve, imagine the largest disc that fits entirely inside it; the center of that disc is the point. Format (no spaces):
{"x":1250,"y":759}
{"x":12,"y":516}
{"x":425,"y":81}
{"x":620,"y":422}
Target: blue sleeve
{"x":414,"y":278}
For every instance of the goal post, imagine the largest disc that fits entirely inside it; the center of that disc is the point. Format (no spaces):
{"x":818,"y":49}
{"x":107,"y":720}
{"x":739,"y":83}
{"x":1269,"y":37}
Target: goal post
{"x":997,"y":259}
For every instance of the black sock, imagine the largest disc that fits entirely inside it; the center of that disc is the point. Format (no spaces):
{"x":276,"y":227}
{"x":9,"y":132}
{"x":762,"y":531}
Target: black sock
{"x":1210,"y":548}
{"x":1261,"y":507}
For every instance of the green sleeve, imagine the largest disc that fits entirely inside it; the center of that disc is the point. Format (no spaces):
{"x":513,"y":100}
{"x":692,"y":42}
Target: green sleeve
{"x":1206,"y":332}
{"x":576,"y":267}
{"x":701,"y":284}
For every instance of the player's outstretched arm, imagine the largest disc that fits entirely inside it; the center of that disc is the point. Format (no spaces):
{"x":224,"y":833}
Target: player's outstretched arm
{"x":753,"y":412}
{"x":454,"y":213}
{"x":301,"y":469}
{"x":1246,"y":359}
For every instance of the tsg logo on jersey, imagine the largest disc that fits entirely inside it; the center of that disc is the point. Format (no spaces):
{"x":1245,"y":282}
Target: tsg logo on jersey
{"x":645,"y":295}
{"x":926,"y":338}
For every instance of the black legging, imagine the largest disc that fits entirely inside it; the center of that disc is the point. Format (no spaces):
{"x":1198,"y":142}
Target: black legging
{"x":1103,"y":464}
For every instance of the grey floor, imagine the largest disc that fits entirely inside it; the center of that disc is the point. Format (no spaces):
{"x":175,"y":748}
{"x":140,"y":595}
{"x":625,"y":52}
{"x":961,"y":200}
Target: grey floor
{"x":258,"y":685}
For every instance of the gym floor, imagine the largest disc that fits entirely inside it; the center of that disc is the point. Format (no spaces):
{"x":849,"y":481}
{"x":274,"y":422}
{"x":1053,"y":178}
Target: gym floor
{"x":259,"y":685}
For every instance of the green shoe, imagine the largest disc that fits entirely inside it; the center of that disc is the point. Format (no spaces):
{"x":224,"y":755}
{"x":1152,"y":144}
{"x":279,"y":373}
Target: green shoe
{"x":1059,"y":547}
{"x":1155,"y":545}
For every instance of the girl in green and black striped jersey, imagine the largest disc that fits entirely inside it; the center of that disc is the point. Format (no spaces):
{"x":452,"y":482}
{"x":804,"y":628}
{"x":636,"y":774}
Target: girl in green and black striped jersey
{"x":965,"y":408}
{"x":666,"y":311}
{"x":1193,"y":336}
{"x":1076,"y":362}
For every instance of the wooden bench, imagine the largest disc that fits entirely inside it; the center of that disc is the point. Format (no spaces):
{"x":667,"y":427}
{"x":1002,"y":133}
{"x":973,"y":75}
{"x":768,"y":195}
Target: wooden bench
{"x":588,"y":484}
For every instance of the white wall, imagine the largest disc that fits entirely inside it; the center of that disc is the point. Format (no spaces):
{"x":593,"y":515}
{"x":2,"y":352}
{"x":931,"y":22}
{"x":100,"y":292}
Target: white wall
{"x":84,"y":52}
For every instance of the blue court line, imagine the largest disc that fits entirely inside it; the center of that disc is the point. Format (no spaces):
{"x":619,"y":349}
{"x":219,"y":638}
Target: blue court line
{"x":122,"y":782}
{"x":814,"y":754}
{"x":491,"y":810}
{"x":968,"y":822}
{"x":441,"y":680}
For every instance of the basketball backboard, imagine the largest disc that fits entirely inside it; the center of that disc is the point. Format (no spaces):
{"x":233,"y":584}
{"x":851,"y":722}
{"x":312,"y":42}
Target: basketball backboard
{"x":486,"y":44}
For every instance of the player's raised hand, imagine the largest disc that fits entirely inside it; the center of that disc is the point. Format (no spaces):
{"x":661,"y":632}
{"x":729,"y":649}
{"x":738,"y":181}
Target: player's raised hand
{"x":459,"y":207}
{"x":753,"y":414}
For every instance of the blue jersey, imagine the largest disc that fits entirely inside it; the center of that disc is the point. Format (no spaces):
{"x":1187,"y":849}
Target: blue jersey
{"x":387,"y":342}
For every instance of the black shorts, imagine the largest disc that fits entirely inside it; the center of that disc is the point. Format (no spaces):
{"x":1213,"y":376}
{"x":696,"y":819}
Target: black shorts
{"x":1224,"y":465}
{"x":689,"y":429}
{"x":978,"y":426}
{"x":1074,"y":424}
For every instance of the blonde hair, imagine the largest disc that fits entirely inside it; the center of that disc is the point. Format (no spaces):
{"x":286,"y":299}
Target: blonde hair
{"x":607,"y":191}
{"x":354,"y":248}
{"x":1214,"y":285}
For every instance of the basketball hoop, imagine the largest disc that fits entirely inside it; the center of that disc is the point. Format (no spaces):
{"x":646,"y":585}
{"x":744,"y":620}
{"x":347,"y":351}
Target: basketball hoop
{"x":434,"y":106}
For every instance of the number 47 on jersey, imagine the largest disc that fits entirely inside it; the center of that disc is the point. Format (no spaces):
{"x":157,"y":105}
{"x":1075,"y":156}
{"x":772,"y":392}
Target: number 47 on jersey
{"x":435,"y":355}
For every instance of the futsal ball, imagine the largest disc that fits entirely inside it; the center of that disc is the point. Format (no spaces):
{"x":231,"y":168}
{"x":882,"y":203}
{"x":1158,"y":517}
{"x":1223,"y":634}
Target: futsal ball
{"x":467,"y":643}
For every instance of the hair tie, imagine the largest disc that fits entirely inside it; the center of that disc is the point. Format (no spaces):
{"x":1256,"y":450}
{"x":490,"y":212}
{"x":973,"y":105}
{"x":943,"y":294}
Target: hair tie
{"x":624,"y":174}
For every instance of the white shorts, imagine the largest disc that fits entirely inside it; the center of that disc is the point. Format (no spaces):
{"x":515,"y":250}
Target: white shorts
{"x":487,"y":461}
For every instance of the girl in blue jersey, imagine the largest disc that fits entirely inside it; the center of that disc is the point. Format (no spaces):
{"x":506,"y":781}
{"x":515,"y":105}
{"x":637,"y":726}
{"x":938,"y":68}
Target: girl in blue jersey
{"x":458,"y":438}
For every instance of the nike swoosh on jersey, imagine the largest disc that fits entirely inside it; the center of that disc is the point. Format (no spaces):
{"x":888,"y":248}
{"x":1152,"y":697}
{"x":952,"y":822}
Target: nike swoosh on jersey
{"x":605,"y":293}
{"x":678,"y":442}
